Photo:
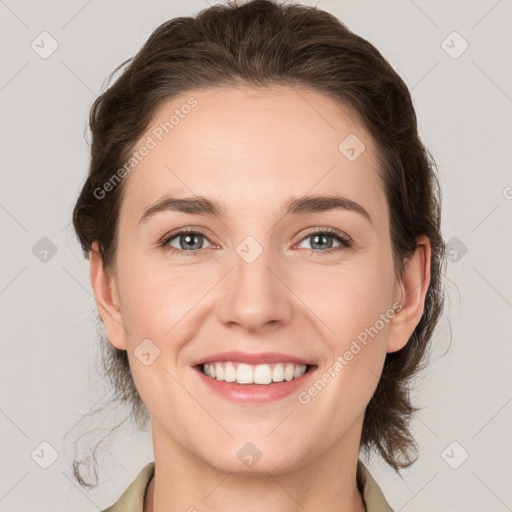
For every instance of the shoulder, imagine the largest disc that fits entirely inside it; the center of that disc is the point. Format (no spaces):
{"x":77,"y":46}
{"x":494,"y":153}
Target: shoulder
{"x":373,"y":496}
{"x":132,"y":499}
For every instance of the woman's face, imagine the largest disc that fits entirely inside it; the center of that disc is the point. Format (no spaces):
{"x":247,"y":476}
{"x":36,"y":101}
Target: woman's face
{"x":261,"y":277}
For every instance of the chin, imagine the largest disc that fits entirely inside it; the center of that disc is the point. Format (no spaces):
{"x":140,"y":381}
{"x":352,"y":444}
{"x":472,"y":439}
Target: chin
{"x":257,"y":457}
{"x":268,"y":463}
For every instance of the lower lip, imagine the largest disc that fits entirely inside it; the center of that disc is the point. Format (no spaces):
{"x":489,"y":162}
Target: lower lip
{"x":254,"y":393}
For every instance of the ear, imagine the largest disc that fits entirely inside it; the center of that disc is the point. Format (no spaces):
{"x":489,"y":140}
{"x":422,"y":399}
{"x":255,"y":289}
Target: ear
{"x":415,"y":281}
{"x":107,"y":300}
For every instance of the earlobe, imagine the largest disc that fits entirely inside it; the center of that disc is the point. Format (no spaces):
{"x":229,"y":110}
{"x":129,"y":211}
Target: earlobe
{"x":415,"y":280}
{"x":105,"y":293}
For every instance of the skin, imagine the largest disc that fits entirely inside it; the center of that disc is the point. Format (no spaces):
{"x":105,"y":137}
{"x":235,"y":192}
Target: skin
{"x":252,"y":150}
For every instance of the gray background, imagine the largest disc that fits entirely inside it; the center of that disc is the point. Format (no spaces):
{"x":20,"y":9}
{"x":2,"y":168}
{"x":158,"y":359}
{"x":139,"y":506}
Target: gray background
{"x":49,"y":375}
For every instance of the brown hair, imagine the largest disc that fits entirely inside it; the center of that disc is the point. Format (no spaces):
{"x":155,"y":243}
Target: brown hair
{"x":261,"y":43}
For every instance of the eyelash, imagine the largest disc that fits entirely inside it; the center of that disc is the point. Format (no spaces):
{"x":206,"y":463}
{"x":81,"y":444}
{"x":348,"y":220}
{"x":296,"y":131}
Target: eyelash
{"x":345,"y":241}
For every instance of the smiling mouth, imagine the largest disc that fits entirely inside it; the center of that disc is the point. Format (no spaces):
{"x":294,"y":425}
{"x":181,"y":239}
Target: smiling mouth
{"x":262,"y":374}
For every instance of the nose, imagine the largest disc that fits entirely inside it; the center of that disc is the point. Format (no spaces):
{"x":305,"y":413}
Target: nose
{"x":255,"y":294}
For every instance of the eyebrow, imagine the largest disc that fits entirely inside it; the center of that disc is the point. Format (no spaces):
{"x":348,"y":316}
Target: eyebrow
{"x":200,"y":205}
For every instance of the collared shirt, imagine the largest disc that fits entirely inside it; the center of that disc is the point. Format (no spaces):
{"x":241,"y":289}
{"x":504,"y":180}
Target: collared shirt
{"x":132,"y":500}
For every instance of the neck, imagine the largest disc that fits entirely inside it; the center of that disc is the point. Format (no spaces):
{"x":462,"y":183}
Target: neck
{"x":183,"y":482}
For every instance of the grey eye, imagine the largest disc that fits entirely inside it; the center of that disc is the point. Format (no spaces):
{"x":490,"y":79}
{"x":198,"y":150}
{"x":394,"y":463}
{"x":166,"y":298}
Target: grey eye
{"x":320,"y":241}
{"x":190,"y":241}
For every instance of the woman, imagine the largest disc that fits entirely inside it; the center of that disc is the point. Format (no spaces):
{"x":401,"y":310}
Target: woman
{"x":263,"y":227}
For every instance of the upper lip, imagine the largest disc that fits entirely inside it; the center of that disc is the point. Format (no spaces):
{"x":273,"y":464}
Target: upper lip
{"x":251,"y":358}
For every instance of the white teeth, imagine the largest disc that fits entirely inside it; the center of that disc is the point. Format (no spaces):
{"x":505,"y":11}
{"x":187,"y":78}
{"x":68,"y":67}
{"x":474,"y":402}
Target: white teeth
{"x":229,"y":372}
{"x":278,"y":373}
{"x":244,"y":374}
{"x":254,"y":374}
{"x":262,"y":374}
{"x":289,"y":372}
{"x":219,"y":372}
{"x":297,"y":372}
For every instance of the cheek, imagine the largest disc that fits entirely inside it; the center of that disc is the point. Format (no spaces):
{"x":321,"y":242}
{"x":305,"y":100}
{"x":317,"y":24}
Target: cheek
{"x":153,"y":298}
{"x":153,"y":305}
{"x":355,"y":311}
{"x":349,"y":299}
{"x":355,"y":307}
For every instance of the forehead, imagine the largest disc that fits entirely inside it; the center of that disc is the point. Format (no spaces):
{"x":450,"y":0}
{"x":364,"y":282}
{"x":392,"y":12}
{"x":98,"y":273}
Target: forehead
{"x":245,"y":146}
